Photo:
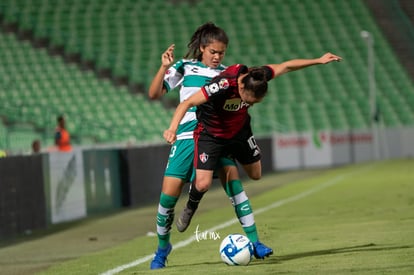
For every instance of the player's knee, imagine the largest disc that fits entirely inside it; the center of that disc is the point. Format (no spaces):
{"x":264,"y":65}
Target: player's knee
{"x":202,"y":186}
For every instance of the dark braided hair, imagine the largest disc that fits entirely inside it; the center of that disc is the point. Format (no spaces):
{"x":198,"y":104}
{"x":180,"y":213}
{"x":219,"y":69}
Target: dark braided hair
{"x":203,"y":36}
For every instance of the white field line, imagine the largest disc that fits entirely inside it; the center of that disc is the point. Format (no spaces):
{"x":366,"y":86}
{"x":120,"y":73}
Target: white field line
{"x":277,"y":204}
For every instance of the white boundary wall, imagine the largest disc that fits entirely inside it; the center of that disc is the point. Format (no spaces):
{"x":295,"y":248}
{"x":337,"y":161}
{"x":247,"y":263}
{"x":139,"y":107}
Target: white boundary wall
{"x":333,"y":148}
{"x":66,"y":186}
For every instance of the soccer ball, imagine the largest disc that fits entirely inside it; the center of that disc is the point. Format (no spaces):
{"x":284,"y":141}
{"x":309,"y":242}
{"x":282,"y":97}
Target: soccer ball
{"x":236,"y":249}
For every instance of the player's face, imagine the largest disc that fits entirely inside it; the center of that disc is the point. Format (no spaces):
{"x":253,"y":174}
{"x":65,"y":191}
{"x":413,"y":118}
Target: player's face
{"x":213,"y":54}
{"x":248,"y":96}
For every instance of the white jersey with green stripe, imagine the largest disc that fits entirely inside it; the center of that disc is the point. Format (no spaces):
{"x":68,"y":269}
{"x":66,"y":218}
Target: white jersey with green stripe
{"x":190,"y":75}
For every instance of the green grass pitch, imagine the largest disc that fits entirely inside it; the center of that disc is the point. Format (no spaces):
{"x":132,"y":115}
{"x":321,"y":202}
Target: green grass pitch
{"x":355,"y":219}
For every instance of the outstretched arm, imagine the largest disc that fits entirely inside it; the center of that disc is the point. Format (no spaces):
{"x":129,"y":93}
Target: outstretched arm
{"x":297,"y":64}
{"x":194,"y":100}
{"x":157,"y":89}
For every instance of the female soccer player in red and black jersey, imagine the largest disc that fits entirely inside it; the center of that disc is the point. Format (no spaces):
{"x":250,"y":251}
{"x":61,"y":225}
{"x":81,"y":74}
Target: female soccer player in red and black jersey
{"x":224,"y":122}
{"x":202,"y":62}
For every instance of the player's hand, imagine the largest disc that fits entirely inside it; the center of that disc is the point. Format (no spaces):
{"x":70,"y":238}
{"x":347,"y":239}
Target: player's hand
{"x":170,"y":136}
{"x":329,"y":57}
{"x":167,"y":58}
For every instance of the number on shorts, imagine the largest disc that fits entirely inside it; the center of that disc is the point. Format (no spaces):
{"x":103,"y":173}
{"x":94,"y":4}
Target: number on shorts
{"x":172,"y":152}
{"x":252,"y":142}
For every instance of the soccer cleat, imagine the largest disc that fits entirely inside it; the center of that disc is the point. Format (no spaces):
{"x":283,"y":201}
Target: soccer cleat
{"x":184,"y":220}
{"x":160,"y":257}
{"x":261,"y":251}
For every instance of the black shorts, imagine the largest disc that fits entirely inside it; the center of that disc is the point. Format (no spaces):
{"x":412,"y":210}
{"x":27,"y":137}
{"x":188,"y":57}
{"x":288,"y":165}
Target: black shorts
{"x":209,"y":149}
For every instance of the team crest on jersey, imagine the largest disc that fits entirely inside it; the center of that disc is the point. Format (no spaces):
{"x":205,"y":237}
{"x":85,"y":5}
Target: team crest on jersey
{"x":203,"y":157}
{"x":168,"y":71}
{"x":224,"y":83}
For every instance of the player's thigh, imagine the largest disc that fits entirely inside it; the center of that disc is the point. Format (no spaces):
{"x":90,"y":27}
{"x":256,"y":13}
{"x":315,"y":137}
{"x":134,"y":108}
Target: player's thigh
{"x":227,"y":170}
{"x":180,"y":161}
{"x":247,"y":152}
{"x":208,"y":151}
{"x":253,"y":170}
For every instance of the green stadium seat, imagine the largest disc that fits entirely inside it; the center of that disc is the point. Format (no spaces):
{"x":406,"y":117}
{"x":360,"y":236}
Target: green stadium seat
{"x":125,"y":38}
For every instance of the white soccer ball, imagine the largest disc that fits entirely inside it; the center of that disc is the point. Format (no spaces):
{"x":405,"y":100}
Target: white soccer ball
{"x":236,"y":249}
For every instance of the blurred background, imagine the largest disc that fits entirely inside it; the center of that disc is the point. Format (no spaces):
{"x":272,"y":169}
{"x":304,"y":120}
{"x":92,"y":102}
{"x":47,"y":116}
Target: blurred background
{"x":93,"y":61}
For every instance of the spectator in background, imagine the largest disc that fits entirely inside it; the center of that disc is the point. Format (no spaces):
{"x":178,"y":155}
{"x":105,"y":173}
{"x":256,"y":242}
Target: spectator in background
{"x":36,"y":146}
{"x":62,"y":136}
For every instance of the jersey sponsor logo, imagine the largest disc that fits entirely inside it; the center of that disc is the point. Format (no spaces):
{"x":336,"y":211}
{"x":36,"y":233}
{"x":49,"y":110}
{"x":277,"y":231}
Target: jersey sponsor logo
{"x":234,"y":104}
{"x":168,"y":72}
{"x":224,"y":83}
{"x":203,"y":157}
{"x":194,"y":70}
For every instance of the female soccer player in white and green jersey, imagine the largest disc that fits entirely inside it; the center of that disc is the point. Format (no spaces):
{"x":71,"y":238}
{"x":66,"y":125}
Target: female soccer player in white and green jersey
{"x":202,"y":62}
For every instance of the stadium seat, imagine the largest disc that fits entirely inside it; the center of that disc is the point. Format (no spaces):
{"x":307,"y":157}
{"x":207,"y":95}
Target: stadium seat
{"x":125,"y":38}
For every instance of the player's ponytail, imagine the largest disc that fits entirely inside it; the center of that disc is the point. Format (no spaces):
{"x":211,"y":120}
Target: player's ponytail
{"x":203,"y":36}
{"x":256,"y":81}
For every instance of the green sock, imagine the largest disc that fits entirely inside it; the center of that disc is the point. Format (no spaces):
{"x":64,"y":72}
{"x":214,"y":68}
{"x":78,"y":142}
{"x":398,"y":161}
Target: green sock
{"x":241,"y":204}
{"x":165,"y":218}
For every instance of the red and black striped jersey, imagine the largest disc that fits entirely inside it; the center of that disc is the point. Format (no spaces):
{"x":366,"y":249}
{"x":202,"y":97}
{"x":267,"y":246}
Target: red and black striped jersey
{"x":224,"y":114}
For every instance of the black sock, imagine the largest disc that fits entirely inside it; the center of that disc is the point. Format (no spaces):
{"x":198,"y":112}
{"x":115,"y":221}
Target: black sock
{"x":195,"y":197}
